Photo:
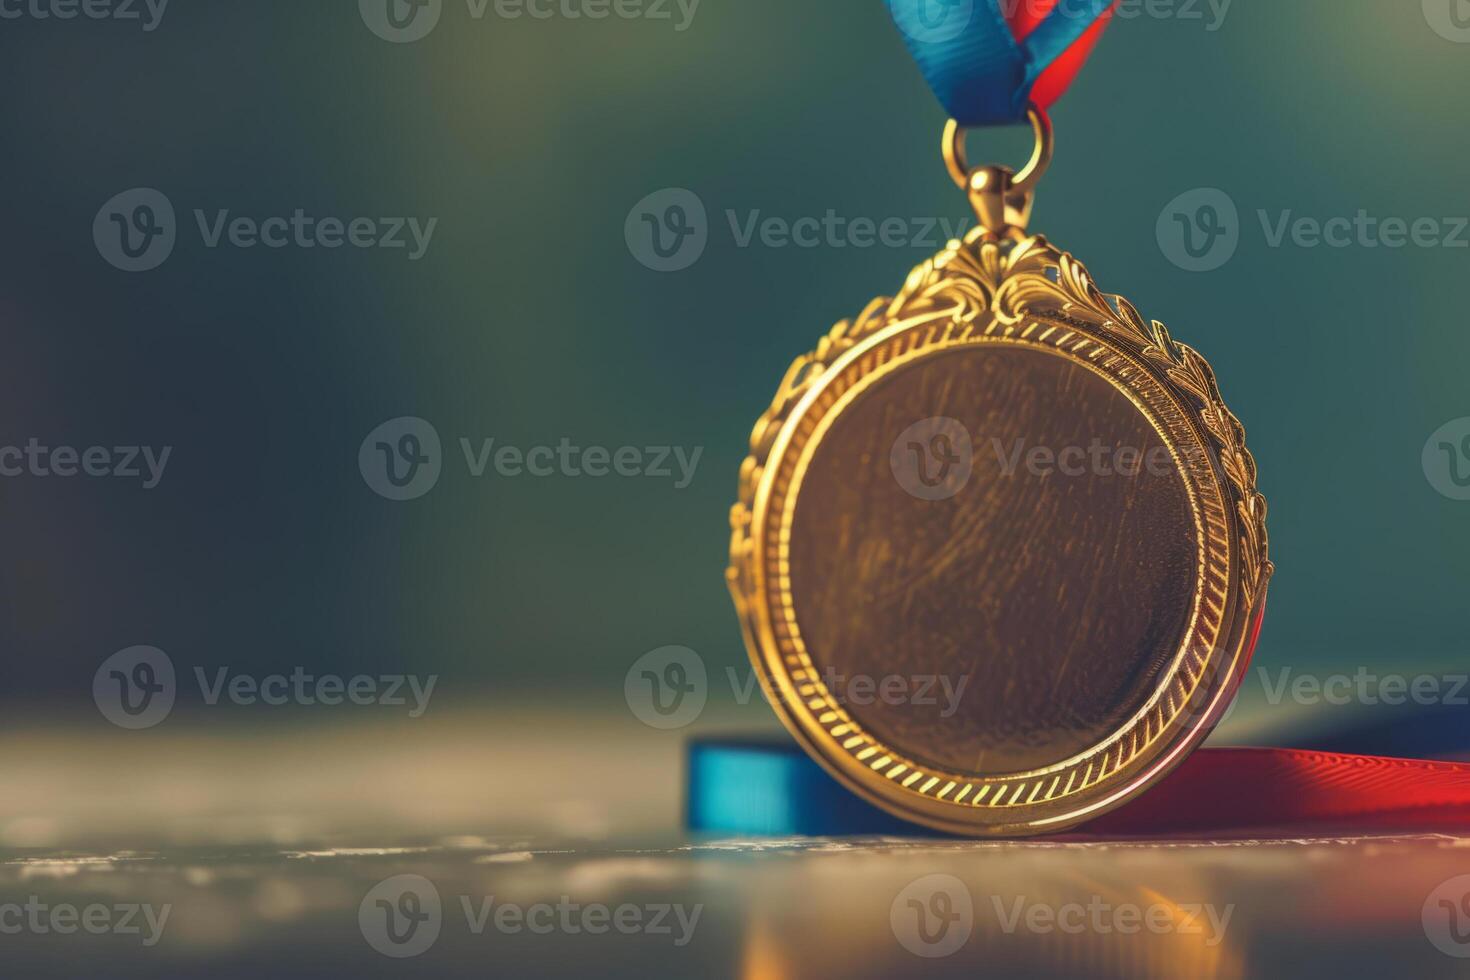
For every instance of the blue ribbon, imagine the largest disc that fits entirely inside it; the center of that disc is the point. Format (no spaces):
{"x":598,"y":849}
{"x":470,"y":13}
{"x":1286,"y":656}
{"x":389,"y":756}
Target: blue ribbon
{"x":771,"y":788}
{"x":972,"y":61}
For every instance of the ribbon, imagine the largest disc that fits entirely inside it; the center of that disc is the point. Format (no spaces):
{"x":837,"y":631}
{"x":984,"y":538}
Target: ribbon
{"x":1335,"y":781}
{"x":1328,"y":783}
{"x":986,"y":59}
{"x":774,"y":789}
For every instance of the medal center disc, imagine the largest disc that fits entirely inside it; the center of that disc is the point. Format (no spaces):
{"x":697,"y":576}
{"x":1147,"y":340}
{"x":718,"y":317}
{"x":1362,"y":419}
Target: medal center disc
{"x":992,"y":558}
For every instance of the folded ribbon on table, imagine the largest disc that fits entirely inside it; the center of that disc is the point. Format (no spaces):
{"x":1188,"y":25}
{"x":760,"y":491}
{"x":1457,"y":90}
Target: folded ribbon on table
{"x":772,"y":788}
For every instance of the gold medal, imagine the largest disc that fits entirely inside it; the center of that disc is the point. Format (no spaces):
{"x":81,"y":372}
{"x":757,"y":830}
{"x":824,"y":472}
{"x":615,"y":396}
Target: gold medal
{"x":999,"y":554}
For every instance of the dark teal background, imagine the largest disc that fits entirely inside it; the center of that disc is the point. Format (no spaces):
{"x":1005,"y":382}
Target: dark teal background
{"x":529,"y":320}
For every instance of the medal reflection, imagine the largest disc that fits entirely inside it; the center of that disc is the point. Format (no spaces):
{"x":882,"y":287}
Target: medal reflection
{"x":1100,"y":615}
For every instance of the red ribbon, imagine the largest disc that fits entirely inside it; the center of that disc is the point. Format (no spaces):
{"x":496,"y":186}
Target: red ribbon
{"x":1023,"y":18}
{"x":1220,"y":791}
{"x":1250,"y":790}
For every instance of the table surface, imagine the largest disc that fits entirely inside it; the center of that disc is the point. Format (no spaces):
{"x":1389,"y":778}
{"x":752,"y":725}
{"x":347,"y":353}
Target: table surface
{"x":265,"y":847}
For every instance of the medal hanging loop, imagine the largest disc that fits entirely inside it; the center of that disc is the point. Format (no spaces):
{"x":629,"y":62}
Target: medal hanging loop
{"x":1001,"y":197}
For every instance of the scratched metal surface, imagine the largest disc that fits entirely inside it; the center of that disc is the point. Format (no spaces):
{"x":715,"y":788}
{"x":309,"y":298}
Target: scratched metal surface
{"x":272,"y":853}
{"x":886,"y":581}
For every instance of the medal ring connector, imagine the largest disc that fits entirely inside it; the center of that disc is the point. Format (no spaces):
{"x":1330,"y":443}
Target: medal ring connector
{"x":1000,"y":196}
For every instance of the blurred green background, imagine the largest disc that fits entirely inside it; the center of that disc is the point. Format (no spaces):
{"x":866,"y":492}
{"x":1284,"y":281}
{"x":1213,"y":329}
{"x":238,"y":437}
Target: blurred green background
{"x":529,"y":320}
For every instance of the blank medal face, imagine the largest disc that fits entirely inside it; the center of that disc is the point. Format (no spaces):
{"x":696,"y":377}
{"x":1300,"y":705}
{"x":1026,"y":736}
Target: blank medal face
{"x":992,"y":558}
